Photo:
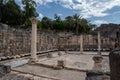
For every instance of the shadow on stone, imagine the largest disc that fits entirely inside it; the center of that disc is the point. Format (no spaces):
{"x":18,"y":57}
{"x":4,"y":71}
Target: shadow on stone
{"x":97,"y":75}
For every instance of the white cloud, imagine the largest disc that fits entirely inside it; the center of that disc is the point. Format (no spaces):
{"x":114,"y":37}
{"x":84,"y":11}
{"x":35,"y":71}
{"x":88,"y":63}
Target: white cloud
{"x":40,"y":16}
{"x":59,"y":14}
{"x":87,"y":8}
{"x":98,"y":22}
{"x":43,"y":2}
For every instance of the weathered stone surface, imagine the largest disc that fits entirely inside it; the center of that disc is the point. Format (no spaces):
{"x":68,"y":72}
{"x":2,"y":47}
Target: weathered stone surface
{"x":50,"y":55}
{"x":61,"y":63}
{"x":18,"y":41}
{"x":114,"y":57}
{"x":97,"y":62}
{"x":15,"y":77}
{"x":4,"y":69}
{"x":97,"y":75}
{"x":109,"y":30}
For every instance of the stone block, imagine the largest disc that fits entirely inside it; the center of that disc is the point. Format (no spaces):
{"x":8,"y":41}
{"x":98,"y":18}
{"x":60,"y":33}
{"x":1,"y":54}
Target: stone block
{"x":49,"y":55}
{"x":114,"y":58}
{"x":4,"y":69}
{"x":3,"y":58}
{"x":97,"y":75}
{"x":61,"y":63}
{"x":17,"y":56}
{"x":62,"y":53}
{"x":97,"y":62}
{"x":59,"y":53}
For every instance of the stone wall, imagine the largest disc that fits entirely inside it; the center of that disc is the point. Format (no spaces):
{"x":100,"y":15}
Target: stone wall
{"x":90,"y":42}
{"x":109,"y":30}
{"x":18,"y":41}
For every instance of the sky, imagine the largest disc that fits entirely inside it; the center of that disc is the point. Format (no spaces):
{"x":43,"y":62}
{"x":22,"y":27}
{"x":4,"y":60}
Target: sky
{"x":96,"y":11}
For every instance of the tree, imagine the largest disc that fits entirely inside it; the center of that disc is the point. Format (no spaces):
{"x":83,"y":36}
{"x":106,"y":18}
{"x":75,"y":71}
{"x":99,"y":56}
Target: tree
{"x":91,"y":27}
{"x":11,"y":13}
{"x":46,"y":23}
{"x":56,"y":22}
{"x":1,"y":6}
{"x":84,"y":26}
{"x":77,"y":19}
{"x":29,"y":9}
{"x":39,"y":24}
{"x":69,"y":23}
{"x":57,"y":18}
{"x":61,"y":26}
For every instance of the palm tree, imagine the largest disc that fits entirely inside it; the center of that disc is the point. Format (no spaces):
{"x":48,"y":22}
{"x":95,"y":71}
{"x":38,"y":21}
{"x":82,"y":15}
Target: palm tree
{"x":69,"y":23}
{"x":77,"y":19}
{"x":84,"y":25}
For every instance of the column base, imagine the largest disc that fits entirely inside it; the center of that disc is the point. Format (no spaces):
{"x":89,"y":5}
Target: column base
{"x":99,"y":53}
{"x":81,"y":52}
{"x":33,"y":60}
{"x":66,"y":52}
{"x":97,"y":62}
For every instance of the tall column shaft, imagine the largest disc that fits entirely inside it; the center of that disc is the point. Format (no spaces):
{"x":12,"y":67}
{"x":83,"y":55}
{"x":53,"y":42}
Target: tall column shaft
{"x":99,"y":44}
{"x":34,"y":40}
{"x":81,"y":43}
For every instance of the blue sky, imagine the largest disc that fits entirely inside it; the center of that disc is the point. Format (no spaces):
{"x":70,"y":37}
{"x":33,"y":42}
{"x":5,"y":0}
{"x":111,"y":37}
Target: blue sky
{"x":96,"y":11}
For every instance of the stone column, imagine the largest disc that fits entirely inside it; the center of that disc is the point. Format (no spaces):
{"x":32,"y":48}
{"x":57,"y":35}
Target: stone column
{"x":81,"y":43}
{"x":34,"y":40}
{"x":41,"y":41}
{"x":99,"y":44}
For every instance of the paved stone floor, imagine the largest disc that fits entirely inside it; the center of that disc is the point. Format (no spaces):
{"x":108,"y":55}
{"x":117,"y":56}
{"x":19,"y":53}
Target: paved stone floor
{"x":81,"y":62}
{"x":52,"y":73}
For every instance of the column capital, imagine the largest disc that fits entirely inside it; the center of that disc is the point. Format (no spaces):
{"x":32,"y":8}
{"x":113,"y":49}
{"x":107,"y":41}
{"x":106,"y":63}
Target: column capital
{"x":34,"y":20}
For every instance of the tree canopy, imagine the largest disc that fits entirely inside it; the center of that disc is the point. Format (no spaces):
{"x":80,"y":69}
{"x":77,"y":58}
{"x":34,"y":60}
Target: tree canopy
{"x":74,"y":23}
{"x":11,"y":14}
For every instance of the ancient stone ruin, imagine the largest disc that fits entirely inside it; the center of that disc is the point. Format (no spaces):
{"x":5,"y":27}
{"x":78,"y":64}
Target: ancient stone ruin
{"x":56,"y":56}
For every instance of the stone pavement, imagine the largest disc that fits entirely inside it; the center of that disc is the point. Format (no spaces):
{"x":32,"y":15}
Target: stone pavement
{"x":81,"y":62}
{"x":75,"y":69}
{"x":51,"y":73}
